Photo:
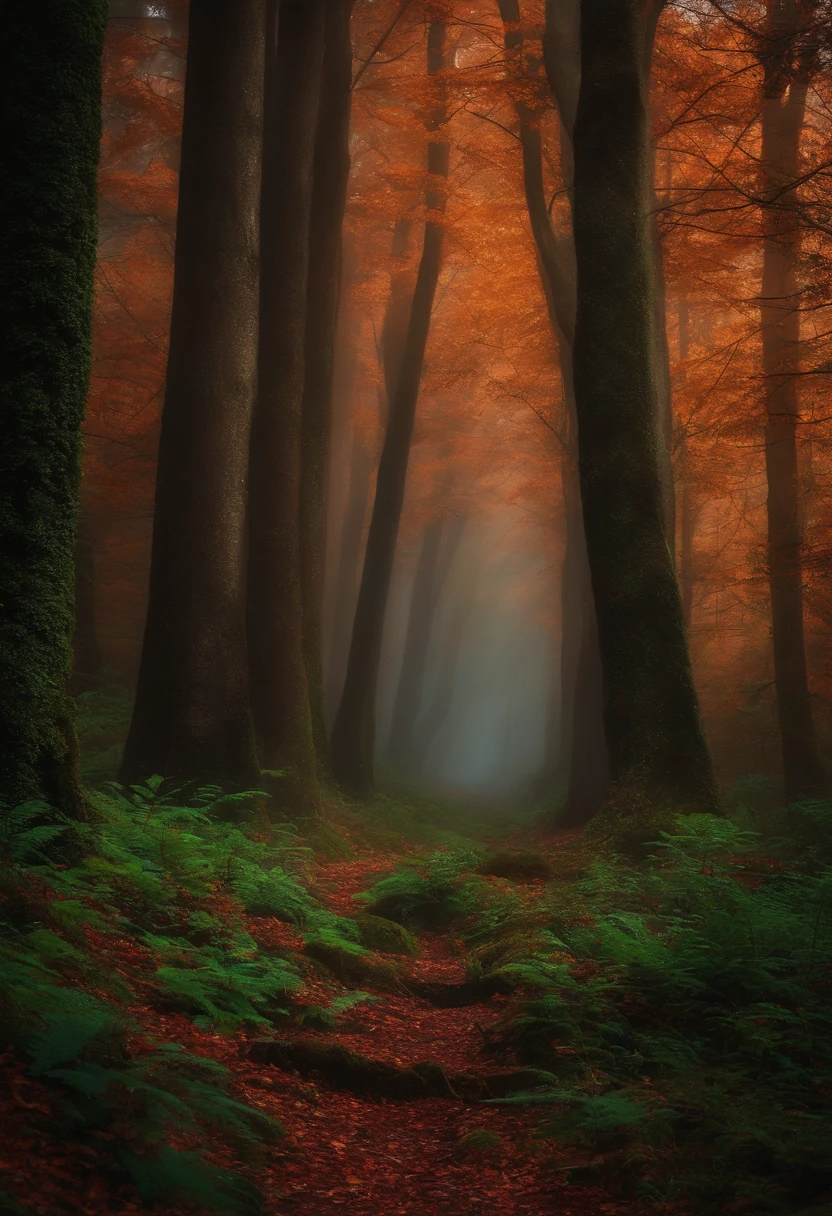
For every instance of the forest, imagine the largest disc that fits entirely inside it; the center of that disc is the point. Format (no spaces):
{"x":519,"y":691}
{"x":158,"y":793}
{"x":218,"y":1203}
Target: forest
{"x":416,"y":608}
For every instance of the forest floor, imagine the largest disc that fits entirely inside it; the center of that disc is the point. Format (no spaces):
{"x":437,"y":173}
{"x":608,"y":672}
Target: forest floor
{"x":410,"y":1010}
{"x":363,"y":1156}
{"x":361,"y":1146}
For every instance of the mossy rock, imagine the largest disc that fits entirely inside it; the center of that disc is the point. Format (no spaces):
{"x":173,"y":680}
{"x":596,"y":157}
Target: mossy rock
{"x":518,"y":867}
{"x":478,"y":1143}
{"x":386,"y":936}
{"x":355,"y":968}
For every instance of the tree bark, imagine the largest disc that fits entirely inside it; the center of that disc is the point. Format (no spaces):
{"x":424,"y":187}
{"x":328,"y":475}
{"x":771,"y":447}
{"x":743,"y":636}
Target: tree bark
{"x":349,"y":561}
{"x":658,"y":754}
{"x":786,"y":74}
{"x":192,"y":717}
{"x":440,"y":541}
{"x":329,"y":196}
{"x":279,"y":688}
{"x":353,"y":734}
{"x":86,"y":650}
{"x":51,"y":123}
{"x":581,"y":726}
{"x":687,"y":511}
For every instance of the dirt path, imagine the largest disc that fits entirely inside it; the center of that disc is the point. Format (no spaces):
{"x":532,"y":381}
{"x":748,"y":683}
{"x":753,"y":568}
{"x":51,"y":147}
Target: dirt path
{"x":375,"y":1157}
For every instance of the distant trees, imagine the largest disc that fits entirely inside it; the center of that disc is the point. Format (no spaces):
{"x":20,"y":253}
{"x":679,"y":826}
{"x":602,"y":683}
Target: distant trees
{"x":51,"y":123}
{"x":192,"y":716}
{"x":354,"y":729}
{"x":788,"y":54}
{"x":657,"y":748}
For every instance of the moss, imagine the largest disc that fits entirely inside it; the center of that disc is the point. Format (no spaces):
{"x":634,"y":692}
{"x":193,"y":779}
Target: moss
{"x":457,"y":996}
{"x":386,"y":936}
{"x":51,"y":130}
{"x":519,"y":867}
{"x":351,"y":1072}
{"x":328,"y":843}
{"x":353,"y":968}
{"x":478,"y":1143}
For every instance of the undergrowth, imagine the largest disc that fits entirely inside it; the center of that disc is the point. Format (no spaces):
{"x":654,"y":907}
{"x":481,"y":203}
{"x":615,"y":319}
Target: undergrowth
{"x":151,"y":905}
{"x":684,"y":1006}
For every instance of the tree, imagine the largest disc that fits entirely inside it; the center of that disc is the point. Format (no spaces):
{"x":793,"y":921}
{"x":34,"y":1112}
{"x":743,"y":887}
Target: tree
{"x":87,"y":660}
{"x":51,"y":127}
{"x":657,"y":748}
{"x":788,"y":55}
{"x":353,"y":732}
{"x":192,"y":715}
{"x":329,"y":196}
{"x":279,"y":687}
{"x":580,"y":721}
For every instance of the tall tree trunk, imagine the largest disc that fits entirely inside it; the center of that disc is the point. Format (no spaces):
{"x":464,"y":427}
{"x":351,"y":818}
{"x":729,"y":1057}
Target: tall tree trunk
{"x":192,"y":716}
{"x":329,"y":196}
{"x":279,"y":689}
{"x":687,"y":513}
{"x":361,"y":464}
{"x":658,"y":754}
{"x":440,"y":541}
{"x":664,"y":391}
{"x":581,"y":724}
{"x":661,"y":346}
{"x":786,"y":74}
{"x":51,"y":120}
{"x":349,"y":561}
{"x":353,"y":733}
{"x":86,"y":650}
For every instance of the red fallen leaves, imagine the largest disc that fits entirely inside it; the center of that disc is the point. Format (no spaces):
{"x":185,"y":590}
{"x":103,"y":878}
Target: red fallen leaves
{"x":341,"y":1154}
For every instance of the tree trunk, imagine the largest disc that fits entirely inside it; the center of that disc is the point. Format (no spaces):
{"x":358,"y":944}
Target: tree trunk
{"x":86,"y":650}
{"x":353,"y":734}
{"x":784,"y":100}
{"x":51,"y":117}
{"x":582,"y":728}
{"x":658,"y":754}
{"x":192,"y":717}
{"x":349,"y":561}
{"x":664,"y":393}
{"x":440,"y":541}
{"x":687,"y":512}
{"x":279,"y":689}
{"x":581,"y":725}
{"x":329,"y":196}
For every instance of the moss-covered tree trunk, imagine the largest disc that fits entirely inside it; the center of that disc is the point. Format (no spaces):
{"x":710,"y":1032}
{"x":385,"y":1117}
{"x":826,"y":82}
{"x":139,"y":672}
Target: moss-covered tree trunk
{"x":354,"y":729}
{"x":329,"y":195}
{"x":787,"y":69}
{"x":279,"y":688}
{"x":51,"y":124}
{"x":192,"y":716}
{"x":658,"y":754}
{"x":87,"y":659}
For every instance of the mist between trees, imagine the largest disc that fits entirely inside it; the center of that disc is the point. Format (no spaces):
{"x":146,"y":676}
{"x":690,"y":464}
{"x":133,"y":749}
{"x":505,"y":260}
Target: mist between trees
{"x":465,"y":523}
